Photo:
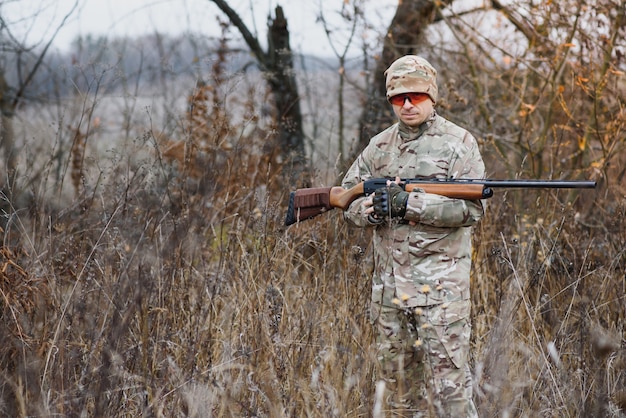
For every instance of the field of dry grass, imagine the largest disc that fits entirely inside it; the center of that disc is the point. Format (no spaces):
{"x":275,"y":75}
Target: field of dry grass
{"x":160,"y":281}
{"x":147,"y":298}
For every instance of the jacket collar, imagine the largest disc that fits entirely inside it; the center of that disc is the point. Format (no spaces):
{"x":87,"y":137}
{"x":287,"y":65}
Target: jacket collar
{"x":408,"y":133}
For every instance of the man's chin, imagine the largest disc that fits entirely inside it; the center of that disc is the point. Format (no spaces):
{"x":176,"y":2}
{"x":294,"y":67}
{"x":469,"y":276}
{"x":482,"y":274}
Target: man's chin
{"x":412,"y":121}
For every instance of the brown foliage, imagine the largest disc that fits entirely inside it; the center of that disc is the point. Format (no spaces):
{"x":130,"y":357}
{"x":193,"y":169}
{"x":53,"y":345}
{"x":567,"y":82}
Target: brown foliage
{"x":77,"y":153}
{"x":215,"y":151}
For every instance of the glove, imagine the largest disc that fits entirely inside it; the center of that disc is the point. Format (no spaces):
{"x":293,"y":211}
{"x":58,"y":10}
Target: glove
{"x":390,"y":201}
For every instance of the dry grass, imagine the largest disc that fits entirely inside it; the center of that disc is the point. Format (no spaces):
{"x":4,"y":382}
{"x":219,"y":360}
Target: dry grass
{"x":549,"y":316}
{"x":145,"y":311}
{"x":159,"y":303}
{"x":160,"y":294}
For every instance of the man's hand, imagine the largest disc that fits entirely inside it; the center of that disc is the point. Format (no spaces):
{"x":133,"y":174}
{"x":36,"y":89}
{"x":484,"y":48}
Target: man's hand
{"x":368,"y":210}
{"x":390,"y":201}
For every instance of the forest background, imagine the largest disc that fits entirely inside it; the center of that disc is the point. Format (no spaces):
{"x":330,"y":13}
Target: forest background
{"x":146,"y":268}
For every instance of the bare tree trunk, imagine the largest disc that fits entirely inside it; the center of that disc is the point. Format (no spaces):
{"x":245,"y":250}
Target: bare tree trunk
{"x":403,"y":37}
{"x":282,"y":80}
{"x":277,"y":64}
{"x":7,"y":136}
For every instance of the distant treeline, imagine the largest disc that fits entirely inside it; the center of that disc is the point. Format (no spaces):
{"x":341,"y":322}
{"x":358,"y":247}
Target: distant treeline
{"x":123,"y":65}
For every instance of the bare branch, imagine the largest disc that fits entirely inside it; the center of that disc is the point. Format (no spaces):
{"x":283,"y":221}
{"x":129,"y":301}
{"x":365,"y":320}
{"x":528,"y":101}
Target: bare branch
{"x":41,"y":56}
{"x":251,"y":40}
{"x":522,"y":25}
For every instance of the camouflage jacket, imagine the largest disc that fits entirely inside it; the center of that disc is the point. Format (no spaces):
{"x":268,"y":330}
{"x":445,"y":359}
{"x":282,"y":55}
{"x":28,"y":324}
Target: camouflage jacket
{"x":428,"y":262}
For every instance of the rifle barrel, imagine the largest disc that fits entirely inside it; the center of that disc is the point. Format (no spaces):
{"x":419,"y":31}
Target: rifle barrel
{"x":541,"y":184}
{"x":489,"y":185}
{"x":524,"y":184}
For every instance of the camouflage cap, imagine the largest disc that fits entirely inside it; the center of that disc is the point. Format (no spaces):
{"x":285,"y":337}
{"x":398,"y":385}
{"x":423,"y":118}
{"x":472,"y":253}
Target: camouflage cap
{"x":411,"y":74}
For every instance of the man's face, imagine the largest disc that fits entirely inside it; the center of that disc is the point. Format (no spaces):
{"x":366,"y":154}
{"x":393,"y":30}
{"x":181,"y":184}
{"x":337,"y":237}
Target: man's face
{"x":412,"y":109}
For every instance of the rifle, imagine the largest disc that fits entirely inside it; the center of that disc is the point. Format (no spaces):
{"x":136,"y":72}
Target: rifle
{"x":308,"y":203}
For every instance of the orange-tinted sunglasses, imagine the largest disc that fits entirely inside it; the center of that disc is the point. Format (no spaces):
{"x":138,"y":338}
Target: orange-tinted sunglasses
{"x":413,"y":98}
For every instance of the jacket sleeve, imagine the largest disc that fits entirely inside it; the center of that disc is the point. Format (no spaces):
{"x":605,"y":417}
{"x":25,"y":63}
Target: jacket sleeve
{"x":441,"y":211}
{"x":358,"y":172}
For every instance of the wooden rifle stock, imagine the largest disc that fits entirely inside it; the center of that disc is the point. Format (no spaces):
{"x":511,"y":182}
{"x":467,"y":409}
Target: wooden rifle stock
{"x":342,"y":198}
{"x":308,"y":203}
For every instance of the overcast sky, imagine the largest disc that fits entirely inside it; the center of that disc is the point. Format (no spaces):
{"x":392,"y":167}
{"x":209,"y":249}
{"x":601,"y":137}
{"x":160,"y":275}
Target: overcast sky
{"x":36,"y":20}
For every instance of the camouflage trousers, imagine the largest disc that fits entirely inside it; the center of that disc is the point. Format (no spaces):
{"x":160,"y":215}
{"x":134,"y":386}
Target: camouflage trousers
{"x":423,"y":360}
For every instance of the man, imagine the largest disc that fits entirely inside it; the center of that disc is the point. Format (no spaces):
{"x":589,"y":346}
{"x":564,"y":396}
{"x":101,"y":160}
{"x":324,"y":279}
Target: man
{"x":422,"y":248}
